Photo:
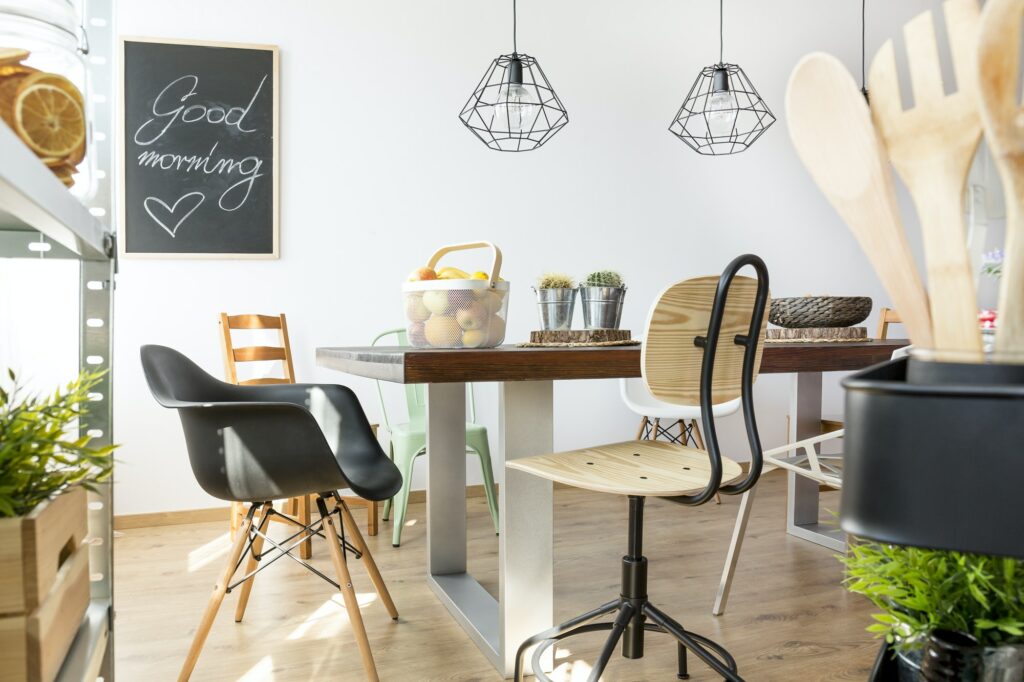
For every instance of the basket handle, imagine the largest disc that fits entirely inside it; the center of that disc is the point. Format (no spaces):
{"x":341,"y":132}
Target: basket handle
{"x":495,"y":266}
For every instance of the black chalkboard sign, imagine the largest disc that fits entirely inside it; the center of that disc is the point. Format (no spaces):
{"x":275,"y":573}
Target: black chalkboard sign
{"x":199,"y":177}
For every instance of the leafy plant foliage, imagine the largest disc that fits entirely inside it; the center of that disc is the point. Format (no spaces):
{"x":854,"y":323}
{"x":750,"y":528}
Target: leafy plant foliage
{"x":919,"y":590}
{"x":39,"y":456}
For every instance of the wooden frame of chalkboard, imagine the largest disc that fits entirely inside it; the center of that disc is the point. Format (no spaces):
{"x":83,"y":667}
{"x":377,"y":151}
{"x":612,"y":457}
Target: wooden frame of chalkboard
{"x":191,"y":150}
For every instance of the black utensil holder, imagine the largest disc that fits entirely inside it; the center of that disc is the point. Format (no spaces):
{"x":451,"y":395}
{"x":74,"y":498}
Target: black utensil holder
{"x":937,"y":462}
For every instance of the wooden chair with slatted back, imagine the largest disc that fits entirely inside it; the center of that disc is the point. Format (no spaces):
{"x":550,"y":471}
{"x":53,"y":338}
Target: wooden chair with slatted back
{"x":886,"y":317}
{"x":300,"y":508}
{"x":702,"y":346}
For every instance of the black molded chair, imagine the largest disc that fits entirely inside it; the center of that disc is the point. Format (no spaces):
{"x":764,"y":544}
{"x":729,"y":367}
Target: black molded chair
{"x":702,"y":346}
{"x":262,"y":443}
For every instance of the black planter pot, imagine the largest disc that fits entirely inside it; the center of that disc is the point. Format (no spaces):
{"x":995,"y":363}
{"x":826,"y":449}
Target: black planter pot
{"x":937,"y":461}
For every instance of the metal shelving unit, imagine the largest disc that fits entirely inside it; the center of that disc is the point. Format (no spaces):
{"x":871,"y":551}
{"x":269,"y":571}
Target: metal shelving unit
{"x":39,"y":218}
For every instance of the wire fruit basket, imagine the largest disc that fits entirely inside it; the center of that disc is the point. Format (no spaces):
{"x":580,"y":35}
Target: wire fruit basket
{"x":457,"y":313}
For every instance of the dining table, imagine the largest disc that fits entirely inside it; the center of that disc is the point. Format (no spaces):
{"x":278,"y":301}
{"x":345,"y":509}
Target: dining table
{"x":525,"y":375}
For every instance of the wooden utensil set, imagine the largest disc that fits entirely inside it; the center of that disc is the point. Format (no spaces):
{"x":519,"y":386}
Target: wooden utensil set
{"x":845,"y":145}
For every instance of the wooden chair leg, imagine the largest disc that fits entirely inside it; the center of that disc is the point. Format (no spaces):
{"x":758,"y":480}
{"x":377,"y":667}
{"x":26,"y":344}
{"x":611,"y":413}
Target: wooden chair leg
{"x":655,"y":427}
{"x":305,"y":516}
{"x":348,"y":592}
{"x":368,"y":562}
{"x":372,"y":521}
{"x":699,"y":440}
{"x":640,"y":431}
{"x":237,"y":513}
{"x":219,"y":590}
{"x":733,"y":556}
{"x":263,"y":524}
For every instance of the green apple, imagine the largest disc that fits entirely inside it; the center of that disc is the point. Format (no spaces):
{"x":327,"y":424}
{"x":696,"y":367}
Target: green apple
{"x":436,"y":301}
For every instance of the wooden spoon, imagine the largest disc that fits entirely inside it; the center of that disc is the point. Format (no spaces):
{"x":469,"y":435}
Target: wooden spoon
{"x":998,"y":77}
{"x":831,"y":129}
{"x":932,"y":146}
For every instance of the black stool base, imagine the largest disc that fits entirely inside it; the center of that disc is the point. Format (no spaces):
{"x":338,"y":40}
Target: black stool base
{"x":632,"y":612}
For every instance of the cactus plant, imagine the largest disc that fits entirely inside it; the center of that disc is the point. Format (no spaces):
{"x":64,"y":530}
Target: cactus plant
{"x":604,"y":278}
{"x":555,"y":280}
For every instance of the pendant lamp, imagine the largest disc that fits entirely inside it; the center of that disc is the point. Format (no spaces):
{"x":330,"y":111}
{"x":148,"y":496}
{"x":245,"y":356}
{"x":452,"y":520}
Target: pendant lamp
{"x":723,"y":112}
{"x":514,"y":108}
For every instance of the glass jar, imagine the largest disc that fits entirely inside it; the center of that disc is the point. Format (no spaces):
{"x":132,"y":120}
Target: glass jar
{"x":51,"y":31}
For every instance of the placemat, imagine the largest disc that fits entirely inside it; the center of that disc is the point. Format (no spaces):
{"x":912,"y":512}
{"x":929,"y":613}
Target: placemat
{"x":531,"y":344}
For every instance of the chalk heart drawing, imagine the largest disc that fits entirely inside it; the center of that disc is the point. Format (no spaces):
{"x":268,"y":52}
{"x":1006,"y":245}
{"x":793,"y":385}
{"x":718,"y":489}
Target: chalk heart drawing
{"x":164,"y":215}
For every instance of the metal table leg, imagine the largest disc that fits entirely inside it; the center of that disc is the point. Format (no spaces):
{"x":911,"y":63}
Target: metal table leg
{"x":525,"y":543}
{"x":803,"y":496}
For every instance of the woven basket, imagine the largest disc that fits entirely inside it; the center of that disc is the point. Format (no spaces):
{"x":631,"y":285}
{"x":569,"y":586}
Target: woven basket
{"x":819,"y":311}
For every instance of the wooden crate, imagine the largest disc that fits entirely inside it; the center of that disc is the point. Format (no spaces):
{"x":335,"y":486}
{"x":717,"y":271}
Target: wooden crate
{"x":44,"y":586}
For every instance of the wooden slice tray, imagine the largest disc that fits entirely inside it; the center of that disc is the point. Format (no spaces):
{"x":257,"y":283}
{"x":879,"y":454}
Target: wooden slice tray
{"x":817,"y":335}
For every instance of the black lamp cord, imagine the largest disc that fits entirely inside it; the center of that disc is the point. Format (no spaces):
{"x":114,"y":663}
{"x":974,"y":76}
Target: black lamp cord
{"x":721,"y":32}
{"x":863,"y":41}
{"x":515,"y":46}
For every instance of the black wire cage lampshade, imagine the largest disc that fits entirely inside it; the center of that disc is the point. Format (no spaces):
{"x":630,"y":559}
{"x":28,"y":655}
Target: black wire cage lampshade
{"x":723,"y":112}
{"x":514,"y":108}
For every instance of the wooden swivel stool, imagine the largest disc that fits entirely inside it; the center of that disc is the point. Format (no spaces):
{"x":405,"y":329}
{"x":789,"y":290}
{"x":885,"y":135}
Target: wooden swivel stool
{"x":702,"y":346}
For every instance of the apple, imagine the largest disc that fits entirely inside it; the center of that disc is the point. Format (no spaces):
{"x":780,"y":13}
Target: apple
{"x":443,"y":331}
{"x":436,"y":301}
{"x":474,"y":316}
{"x":492,"y":300}
{"x":473,"y":338}
{"x":415,"y":311}
{"x":422,"y":274}
{"x":417,"y":335}
{"x":495,"y":331}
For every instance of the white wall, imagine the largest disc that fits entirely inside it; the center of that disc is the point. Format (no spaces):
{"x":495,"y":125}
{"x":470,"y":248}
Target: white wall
{"x":377,"y":171}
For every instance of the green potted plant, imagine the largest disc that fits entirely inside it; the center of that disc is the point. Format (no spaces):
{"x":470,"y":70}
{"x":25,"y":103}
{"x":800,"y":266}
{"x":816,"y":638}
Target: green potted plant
{"x":920,"y":591}
{"x":44,"y":472}
{"x":556,"y":298}
{"x":602,"y":294}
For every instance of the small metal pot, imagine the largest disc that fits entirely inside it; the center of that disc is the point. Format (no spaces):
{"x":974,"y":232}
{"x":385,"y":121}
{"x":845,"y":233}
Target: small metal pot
{"x":555,"y":307}
{"x":602,"y":306}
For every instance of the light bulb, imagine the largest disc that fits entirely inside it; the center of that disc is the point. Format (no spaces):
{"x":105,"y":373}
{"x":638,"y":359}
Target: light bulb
{"x":721,"y":113}
{"x":516,"y":110}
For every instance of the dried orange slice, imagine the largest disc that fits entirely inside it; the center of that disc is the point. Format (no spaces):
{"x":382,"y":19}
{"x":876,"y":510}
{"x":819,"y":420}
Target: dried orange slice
{"x":48,"y":119}
{"x":12,"y":55}
{"x":8,"y":90}
{"x":57,"y":81}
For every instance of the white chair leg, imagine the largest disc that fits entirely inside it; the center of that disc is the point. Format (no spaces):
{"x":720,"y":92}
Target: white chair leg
{"x":731,"y":559}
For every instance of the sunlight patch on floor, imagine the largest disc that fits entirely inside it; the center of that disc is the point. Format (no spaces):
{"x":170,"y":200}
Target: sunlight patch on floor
{"x":411,"y":522}
{"x":261,"y":672}
{"x":330,"y":618}
{"x":569,"y":671}
{"x":208,"y":553}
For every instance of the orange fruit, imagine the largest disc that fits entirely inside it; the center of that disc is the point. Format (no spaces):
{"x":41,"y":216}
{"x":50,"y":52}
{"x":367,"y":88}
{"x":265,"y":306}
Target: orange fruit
{"x":48,"y":119}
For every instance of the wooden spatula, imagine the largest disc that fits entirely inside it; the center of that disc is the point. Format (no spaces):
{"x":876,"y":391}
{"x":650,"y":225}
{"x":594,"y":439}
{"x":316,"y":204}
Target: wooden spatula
{"x":932,"y":146}
{"x":999,"y":75}
{"x":831,"y":129}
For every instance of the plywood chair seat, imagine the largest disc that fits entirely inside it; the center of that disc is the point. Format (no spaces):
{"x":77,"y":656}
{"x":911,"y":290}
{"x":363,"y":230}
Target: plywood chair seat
{"x":638,"y":467}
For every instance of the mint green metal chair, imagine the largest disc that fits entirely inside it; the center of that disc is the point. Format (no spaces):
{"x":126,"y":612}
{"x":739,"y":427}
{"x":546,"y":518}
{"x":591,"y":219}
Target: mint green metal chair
{"x":409,"y":441}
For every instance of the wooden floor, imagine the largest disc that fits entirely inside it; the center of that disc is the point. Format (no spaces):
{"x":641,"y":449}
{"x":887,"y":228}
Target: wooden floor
{"x":788,"y":618}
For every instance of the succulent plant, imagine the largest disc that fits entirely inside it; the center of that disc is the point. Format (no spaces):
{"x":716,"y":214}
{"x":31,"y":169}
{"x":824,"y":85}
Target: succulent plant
{"x":555,"y":280}
{"x":604,"y":278}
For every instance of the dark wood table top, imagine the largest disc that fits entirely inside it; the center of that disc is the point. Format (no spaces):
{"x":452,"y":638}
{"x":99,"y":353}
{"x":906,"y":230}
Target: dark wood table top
{"x":509,"y":363}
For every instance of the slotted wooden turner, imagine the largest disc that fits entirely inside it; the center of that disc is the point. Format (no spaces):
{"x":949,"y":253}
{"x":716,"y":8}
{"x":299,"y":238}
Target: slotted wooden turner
{"x":932,"y":146}
{"x":831,"y":129}
{"x":999,"y":76}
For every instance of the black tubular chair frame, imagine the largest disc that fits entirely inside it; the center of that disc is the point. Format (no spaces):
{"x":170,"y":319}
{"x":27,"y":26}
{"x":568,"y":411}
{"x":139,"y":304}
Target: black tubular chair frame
{"x":749,"y":341}
{"x":633,"y":608}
